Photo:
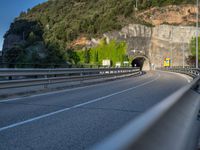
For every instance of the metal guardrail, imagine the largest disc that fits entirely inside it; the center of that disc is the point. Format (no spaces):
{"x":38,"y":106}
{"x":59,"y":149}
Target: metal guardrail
{"x":173,"y":124}
{"x":48,"y":65}
{"x":10,"y":78}
{"x":193,"y":72}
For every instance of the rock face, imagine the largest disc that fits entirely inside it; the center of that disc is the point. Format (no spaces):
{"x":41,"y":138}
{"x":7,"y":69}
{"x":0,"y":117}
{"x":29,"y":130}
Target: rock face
{"x":157,"y":43}
{"x":173,"y":14}
{"x":11,"y":40}
{"x":172,"y":42}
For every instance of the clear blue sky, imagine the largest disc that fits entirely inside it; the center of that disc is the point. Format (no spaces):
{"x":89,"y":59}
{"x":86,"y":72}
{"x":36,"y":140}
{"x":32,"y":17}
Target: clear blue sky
{"x":9,"y":9}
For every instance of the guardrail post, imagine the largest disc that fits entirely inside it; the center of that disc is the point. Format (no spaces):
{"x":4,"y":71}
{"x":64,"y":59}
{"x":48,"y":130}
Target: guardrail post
{"x":48,"y":80}
{"x":10,"y":78}
{"x":46,"y":84}
{"x":82,"y":75}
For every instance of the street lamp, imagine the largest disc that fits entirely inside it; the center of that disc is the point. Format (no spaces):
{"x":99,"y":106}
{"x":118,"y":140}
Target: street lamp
{"x":183,"y":56}
{"x":171,"y":53}
{"x":183,"y":49}
{"x":136,"y":5}
{"x":197,"y":36}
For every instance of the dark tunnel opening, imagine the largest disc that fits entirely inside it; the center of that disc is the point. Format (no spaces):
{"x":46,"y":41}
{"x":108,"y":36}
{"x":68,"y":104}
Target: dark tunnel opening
{"x":138,"y":62}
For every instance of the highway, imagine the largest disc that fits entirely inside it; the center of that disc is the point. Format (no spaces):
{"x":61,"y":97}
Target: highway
{"x":78,"y":118}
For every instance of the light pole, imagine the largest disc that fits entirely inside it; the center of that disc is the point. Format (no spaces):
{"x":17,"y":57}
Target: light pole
{"x":183,"y":56}
{"x":171,"y":45}
{"x":136,"y":5}
{"x":197,"y":36}
{"x":183,"y":47}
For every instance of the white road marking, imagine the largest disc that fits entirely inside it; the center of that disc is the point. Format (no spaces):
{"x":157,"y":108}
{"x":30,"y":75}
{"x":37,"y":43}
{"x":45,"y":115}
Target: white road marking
{"x":76,"y":106}
{"x":48,"y":93}
{"x":57,"y":92}
{"x":188,"y":78}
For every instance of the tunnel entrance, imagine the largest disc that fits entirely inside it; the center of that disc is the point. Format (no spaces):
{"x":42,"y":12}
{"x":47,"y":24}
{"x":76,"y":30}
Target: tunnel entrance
{"x":141,"y":62}
{"x":138,"y":62}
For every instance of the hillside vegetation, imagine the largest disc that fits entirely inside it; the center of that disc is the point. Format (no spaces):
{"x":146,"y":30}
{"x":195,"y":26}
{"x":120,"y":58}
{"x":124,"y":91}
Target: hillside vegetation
{"x":48,"y":29}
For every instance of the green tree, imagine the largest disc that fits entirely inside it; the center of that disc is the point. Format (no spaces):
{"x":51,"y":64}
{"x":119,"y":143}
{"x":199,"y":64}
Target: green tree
{"x":73,"y":57}
{"x":96,"y":57}
{"x":87,"y":56}
{"x":193,"y":46}
{"x":32,"y":38}
{"x":114,"y":51}
{"x":54,"y":55}
{"x":14,"y":56}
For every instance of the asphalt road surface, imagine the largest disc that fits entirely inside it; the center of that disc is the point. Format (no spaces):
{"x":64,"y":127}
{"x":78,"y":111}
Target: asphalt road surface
{"x":78,"y":118}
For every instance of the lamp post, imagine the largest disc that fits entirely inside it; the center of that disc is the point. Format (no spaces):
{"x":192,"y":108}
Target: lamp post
{"x":183,"y":56}
{"x":183,"y":47}
{"x":171,"y":52}
{"x":197,"y":36}
{"x":136,"y":5}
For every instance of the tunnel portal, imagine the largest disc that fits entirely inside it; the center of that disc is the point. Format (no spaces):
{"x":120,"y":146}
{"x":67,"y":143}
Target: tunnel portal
{"x":138,"y":62}
{"x":141,"y":63}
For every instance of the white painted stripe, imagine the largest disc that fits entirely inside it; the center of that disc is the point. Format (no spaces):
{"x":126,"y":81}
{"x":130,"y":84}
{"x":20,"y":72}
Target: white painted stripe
{"x":188,"y":78}
{"x":58,"y":92}
{"x":48,"y":93}
{"x":76,"y":106}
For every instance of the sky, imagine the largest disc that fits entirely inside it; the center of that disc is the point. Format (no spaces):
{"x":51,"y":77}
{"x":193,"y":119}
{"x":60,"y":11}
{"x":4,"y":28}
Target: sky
{"x":9,"y":9}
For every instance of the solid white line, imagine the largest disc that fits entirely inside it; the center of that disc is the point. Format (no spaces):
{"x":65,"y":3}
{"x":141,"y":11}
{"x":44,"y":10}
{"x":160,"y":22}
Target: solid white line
{"x":186,"y":77}
{"x":57,"y":92}
{"x":182,"y":75}
{"x":48,"y":93}
{"x":76,"y":106}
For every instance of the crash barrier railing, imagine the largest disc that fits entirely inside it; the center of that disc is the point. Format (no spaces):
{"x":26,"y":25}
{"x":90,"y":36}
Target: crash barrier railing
{"x":26,"y":77}
{"x":173,"y":124}
{"x":47,"y":65}
{"x":193,"y":72}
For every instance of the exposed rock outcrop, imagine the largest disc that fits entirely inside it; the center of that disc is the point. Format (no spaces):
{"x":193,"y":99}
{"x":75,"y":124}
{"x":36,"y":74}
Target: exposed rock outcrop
{"x":173,"y":14}
{"x":157,"y":42}
{"x":11,"y":40}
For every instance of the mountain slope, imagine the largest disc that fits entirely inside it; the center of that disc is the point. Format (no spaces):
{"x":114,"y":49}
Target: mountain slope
{"x":57,"y":23}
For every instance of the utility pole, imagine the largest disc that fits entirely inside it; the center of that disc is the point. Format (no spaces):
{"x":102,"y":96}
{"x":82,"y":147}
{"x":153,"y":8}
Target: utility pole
{"x":136,"y":5}
{"x":197,"y":36}
{"x":183,"y":48}
{"x":171,"y":46}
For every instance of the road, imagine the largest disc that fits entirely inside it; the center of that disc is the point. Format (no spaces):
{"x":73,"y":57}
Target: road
{"x":78,"y":118}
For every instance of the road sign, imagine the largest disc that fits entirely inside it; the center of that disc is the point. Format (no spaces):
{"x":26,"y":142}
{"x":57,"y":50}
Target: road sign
{"x":106,"y":63}
{"x":167,"y":62}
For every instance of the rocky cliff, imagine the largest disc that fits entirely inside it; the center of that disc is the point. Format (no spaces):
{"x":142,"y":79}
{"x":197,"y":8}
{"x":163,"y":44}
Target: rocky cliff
{"x":157,"y":42}
{"x":11,"y":40}
{"x":172,"y":14}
